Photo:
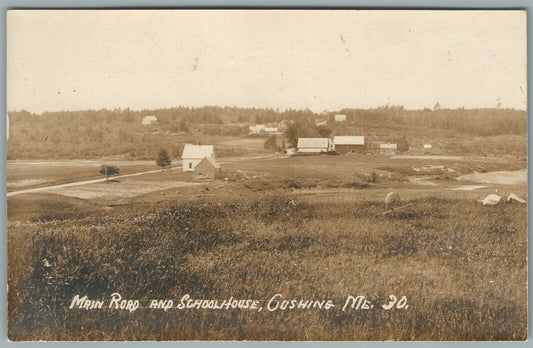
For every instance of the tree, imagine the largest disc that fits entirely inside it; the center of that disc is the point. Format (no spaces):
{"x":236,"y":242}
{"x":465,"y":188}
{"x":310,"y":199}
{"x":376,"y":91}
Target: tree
{"x":270,"y":143}
{"x":323,"y":131}
{"x":162,"y":159}
{"x":300,"y":129}
{"x":183,"y":125}
{"x":108,"y":170}
{"x":403,"y":145}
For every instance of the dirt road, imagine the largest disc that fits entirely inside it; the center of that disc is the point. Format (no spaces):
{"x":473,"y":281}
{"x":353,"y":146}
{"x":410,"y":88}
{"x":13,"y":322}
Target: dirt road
{"x":78,"y":183}
{"x":94,"y":181}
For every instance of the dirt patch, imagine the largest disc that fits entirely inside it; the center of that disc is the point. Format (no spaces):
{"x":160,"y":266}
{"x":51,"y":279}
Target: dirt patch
{"x":429,"y":157}
{"x":119,"y":189}
{"x":25,"y":183}
{"x":499,"y":177}
{"x":422,"y":181}
{"x":468,"y":188}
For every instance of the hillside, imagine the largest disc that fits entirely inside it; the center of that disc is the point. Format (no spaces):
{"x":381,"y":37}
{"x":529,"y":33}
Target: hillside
{"x":93,"y":134}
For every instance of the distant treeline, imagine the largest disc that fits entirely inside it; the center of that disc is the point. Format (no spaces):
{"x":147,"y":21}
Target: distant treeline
{"x":97,"y":133}
{"x":467,"y":121}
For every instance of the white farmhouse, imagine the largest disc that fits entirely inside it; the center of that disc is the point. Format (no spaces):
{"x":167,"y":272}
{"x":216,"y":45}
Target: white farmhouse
{"x":193,"y":154}
{"x":314,"y":145}
{"x":149,"y":120}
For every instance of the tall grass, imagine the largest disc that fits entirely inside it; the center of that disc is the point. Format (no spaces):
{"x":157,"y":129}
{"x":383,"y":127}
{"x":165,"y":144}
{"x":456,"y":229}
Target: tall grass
{"x":461,"y":266}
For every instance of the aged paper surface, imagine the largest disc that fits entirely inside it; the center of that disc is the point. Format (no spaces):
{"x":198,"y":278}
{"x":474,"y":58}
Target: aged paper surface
{"x":267,"y":175}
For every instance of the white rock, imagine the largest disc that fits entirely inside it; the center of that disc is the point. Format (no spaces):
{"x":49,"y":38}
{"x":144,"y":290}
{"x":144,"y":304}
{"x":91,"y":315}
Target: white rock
{"x":393,"y":198}
{"x":512,"y":197}
{"x":491,"y":199}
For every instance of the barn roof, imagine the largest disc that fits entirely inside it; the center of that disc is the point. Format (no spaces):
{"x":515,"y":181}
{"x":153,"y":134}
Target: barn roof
{"x":313,"y":142}
{"x":388,"y":146}
{"x":349,"y":140}
{"x":211,"y":160}
{"x":197,"y":151}
{"x":150,"y":118}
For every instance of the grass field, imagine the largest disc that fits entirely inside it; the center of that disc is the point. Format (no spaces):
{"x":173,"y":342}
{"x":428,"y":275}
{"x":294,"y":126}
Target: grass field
{"x":308,"y":228}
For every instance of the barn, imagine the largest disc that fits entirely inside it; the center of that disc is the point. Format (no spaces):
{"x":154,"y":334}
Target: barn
{"x":340,"y":118}
{"x":349,"y":144}
{"x":208,"y":168}
{"x":388,"y":149}
{"x":427,"y":148}
{"x":193,"y":154}
{"x":314,"y":145}
{"x":147,"y":120}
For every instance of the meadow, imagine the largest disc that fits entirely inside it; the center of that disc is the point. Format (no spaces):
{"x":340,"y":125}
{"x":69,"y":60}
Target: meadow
{"x":461,"y":266}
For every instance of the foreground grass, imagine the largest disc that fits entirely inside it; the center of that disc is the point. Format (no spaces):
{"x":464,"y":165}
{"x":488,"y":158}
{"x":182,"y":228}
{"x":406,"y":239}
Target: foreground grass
{"x":461,"y":266}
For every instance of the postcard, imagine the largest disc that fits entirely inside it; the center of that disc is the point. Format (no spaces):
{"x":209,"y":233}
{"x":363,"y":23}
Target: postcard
{"x":281,"y":175}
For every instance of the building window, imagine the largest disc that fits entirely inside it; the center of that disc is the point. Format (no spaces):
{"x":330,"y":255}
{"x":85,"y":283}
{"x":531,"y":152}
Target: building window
{"x":190,"y":165}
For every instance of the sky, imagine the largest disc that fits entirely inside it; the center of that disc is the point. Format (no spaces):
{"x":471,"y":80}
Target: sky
{"x":320,"y":59}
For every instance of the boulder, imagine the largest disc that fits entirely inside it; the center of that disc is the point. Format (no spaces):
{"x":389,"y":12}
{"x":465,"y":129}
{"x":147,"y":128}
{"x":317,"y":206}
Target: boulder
{"x":491,"y":199}
{"x":514,"y":198}
{"x":392,"y":199}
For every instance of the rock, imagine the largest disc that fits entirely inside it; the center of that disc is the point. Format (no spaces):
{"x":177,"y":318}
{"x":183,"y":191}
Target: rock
{"x":512,"y":197}
{"x":392,"y":199}
{"x":491,"y":199}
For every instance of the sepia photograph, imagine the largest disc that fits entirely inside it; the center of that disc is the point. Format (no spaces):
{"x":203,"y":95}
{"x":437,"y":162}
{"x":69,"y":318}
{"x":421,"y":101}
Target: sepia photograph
{"x":267,"y":175}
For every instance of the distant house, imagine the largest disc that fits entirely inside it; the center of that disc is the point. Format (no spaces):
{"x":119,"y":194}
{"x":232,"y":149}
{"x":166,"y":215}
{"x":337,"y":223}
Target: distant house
{"x":321,"y":123}
{"x":194,"y":154}
{"x":314,"y":145}
{"x":388,"y":149}
{"x":257,"y":129}
{"x":340,"y":118}
{"x":427,"y":148}
{"x":272,"y":131}
{"x":149,"y":120}
{"x":349,"y":144}
{"x":207,"y":168}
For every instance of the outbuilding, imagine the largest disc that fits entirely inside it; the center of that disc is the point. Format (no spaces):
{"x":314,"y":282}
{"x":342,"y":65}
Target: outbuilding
{"x":314,"y":145}
{"x":349,"y":144}
{"x":207,"y":168}
{"x":340,"y":118}
{"x":388,"y":149}
{"x":193,"y":154}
